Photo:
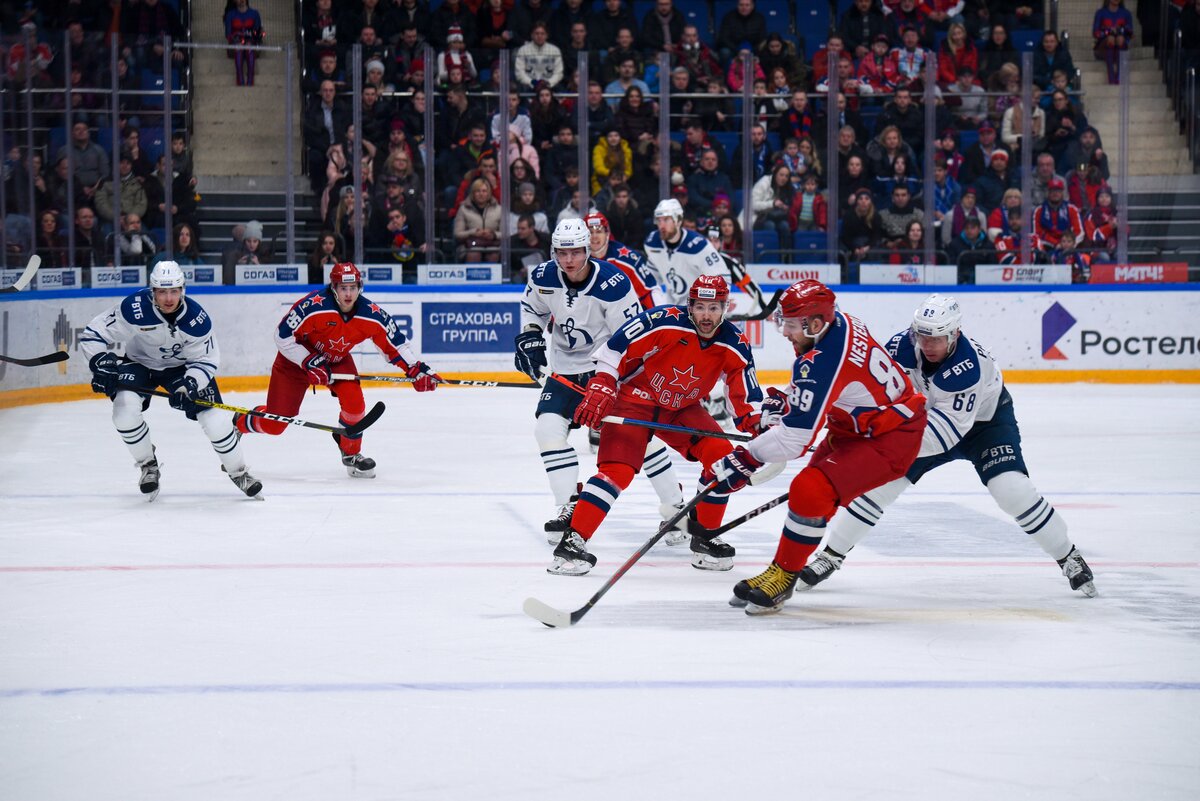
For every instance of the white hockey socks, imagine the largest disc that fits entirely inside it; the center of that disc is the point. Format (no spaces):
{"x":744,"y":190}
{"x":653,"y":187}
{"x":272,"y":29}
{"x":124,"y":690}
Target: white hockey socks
{"x":128,"y":420}
{"x":218,"y":426}
{"x":558,"y":457}
{"x":659,"y":468}
{"x":862,"y":514}
{"x":1015,"y":494}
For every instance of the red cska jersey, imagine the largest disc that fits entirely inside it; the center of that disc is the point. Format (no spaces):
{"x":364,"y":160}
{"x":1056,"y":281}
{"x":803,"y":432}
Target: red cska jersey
{"x":314,"y":324}
{"x":660,"y":360}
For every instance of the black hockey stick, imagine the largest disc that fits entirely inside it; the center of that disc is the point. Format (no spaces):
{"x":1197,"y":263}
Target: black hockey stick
{"x":450,"y":382}
{"x":557,"y":619}
{"x":49,"y":358}
{"x":767,"y":310}
{"x":351,"y":430}
{"x":709,"y":533}
{"x":35,"y":261}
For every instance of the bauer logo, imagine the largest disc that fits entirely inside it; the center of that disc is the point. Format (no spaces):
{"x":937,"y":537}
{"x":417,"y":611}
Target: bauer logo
{"x":1056,"y":322}
{"x":469,"y":327}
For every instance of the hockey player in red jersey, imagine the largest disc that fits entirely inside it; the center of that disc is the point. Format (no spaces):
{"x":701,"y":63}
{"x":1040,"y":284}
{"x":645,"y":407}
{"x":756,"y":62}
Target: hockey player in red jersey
{"x":842,"y":379}
{"x":317,"y":335}
{"x":659,"y":366}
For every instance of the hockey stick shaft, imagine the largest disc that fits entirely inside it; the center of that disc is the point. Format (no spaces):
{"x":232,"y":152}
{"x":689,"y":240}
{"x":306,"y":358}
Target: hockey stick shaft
{"x":35,"y":262}
{"x":49,"y":358}
{"x":766,"y":312}
{"x":345,"y":431}
{"x":452,"y":382}
{"x":553,"y":618}
{"x":753,"y":513}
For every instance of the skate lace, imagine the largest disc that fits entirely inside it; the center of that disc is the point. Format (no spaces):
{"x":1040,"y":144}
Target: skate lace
{"x":566,"y":510}
{"x":774,"y":580}
{"x":822,"y":565}
{"x":1073,"y":565}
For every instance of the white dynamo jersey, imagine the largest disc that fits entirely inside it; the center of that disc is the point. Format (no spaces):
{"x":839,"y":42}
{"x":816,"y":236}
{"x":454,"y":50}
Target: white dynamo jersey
{"x":965,"y":389}
{"x":583,"y":317}
{"x":678,"y":267}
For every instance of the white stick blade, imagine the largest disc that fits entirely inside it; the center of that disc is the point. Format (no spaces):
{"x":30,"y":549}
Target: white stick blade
{"x":546,"y":614}
{"x":768,"y":472}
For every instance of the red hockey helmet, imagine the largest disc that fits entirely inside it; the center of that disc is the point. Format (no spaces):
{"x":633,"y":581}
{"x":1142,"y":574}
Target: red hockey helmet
{"x":344,"y":272}
{"x":709,"y":287}
{"x":596,"y":220}
{"x":805,"y":299}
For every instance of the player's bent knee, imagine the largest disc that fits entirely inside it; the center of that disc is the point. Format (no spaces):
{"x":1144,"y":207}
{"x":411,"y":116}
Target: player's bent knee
{"x":811,"y":495}
{"x":216,"y":423}
{"x":1014,"y":492}
{"x":618,"y":473}
{"x":550,"y":431}
{"x":126,"y":409}
{"x":887,"y":494}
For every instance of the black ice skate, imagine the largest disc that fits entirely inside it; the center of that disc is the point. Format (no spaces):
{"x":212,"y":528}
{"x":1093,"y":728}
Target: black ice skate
{"x":358,"y":466}
{"x":819,"y":568}
{"x":765,"y":593}
{"x":1077,"y":572}
{"x":712,"y":553}
{"x":571,"y":557}
{"x":556,"y":525}
{"x":247,"y":484}
{"x":148,"y":480}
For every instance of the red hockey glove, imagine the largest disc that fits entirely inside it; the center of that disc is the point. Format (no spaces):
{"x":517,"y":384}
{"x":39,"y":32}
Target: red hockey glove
{"x":749,"y":424}
{"x":424,"y":379}
{"x":734,"y":471}
{"x":317,"y":367}
{"x":600,"y":397}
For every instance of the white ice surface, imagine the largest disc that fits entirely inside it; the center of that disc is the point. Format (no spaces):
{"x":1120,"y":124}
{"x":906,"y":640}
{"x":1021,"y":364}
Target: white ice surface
{"x":364,"y":639}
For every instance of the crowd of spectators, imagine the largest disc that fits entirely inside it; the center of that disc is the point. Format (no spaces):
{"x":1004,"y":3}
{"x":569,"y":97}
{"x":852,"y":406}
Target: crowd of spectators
{"x":880,"y":52}
{"x":123,"y":213}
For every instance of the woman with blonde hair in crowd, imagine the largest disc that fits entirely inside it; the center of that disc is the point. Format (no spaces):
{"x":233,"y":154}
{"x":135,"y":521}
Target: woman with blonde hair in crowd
{"x":477,"y":224}
{"x":1014,"y":119}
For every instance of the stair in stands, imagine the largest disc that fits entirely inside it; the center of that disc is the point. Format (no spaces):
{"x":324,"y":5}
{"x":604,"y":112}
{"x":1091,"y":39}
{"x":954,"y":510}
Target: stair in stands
{"x":220,"y":211}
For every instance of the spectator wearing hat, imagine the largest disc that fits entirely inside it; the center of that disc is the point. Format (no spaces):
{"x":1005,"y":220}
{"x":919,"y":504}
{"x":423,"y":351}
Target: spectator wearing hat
{"x":978,"y":157}
{"x":861,"y":26}
{"x":1058,"y":223}
{"x":450,"y":18}
{"x":250,"y":250}
{"x":998,"y":218}
{"x":879,"y":68}
{"x":740,"y":26}
{"x":947,"y":150}
{"x":538,"y":60}
{"x":966,"y":208}
{"x":1086,"y":149}
{"x":133,"y":194}
{"x":999,"y":177}
{"x":661,"y":28}
{"x":376,"y":75}
{"x":456,"y":55}
{"x":736,"y":74}
{"x":969,"y":248}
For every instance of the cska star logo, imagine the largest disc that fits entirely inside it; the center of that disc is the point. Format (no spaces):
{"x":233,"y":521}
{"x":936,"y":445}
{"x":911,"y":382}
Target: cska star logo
{"x":317,"y":299}
{"x":339,"y":345}
{"x":623,"y":251}
{"x":743,"y":339}
{"x":810,"y":356}
{"x":684,"y":379}
{"x":374,"y":308}
{"x":674,"y":312}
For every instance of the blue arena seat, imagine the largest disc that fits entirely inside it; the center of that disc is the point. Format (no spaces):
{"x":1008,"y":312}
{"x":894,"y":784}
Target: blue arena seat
{"x":737,"y":201}
{"x":808,"y":241}
{"x":698,"y":13}
{"x":1026,"y":40}
{"x":812,"y":23}
{"x":152,"y":143}
{"x":778,"y":14}
{"x":966,"y":139}
{"x":766,"y":244}
{"x":154,"y":82}
{"x":728,"y":140}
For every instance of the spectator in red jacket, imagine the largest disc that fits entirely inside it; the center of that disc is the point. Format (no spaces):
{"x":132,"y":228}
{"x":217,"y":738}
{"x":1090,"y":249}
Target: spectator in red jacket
{"x":1057,"y":223}
{"x":956,"y":52}
{"x":808,"y":211}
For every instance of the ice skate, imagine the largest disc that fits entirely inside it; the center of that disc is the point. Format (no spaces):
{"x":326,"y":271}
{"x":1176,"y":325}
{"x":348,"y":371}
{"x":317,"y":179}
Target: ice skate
{"x":148,"y":480}
{"x":358,"y":466}
{"x":247,"y":484}
{"x":712,"y":554}
{"x":819,"y":568}
{"x":765,"y":593}
{"x":556,"y":525}
{"x":571,"y":557}
{"x":678,"y":534}
{"x":1076,"y":570}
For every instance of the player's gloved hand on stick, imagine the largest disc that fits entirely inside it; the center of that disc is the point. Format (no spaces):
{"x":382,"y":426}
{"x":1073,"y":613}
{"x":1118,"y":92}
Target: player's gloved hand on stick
{"x":317,"y":367}
{"x":734,"y":471}
{"x":183,"y":391}
{"x":597,"y":401}
{"x":531,"y":353}
{"x":104,"y":373}
{"x":773,"y":408}
{"x":749,"y":424}
{"x":424,"y":379}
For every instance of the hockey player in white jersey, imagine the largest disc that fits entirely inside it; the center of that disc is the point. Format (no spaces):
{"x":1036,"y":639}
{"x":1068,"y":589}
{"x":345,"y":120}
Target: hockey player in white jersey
{"x":970,"y":417}
{"x":581,"y":301}
{"x":169,"y":342}
{"x":678,"y":256}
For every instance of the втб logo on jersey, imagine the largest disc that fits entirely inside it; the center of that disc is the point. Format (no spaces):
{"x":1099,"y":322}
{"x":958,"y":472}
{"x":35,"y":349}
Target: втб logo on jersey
{"x":1056,"y":322}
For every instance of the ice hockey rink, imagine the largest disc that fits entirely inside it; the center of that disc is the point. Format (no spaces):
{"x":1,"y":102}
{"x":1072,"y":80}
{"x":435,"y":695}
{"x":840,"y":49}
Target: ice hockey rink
{"x":361,"y":639}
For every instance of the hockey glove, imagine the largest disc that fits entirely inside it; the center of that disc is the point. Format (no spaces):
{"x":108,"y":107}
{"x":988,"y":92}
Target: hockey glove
{"x":774,"y":408}
{"x":734,"y":471}
{"x":424,"y":379}
{"x":749,"y":424}
{"x":531,"y":353}
{"x":599,"y":399}
{"x":317,"y":367}
{"x":183,"y":391}
{"x":104,"y":367}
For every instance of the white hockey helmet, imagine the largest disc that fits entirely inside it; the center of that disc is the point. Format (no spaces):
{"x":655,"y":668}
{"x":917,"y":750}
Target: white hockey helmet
{"x":938,"y":316}
{"x":167,"y":275}
{"x":669,"y":208}
{"x":570,"y":233}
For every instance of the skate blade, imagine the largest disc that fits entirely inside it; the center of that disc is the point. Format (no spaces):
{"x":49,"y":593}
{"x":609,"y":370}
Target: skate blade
{"x":151,"y":495}
{"x":737,"y":603}
{"x":702,"y":562}
{"x":676,"y":538}
{"x":754,"y":610}
{"x":355,"y":473}
{"x":568,"y":567}
{"x":1089,"y":590}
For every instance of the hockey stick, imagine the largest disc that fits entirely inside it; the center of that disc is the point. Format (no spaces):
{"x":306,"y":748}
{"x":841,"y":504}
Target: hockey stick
{"x":49,"y":358}
{"x":558,"y":619}
{"x":766,"y":312}
{"x":709,"y":533}
{"x":452,"y":382}
{"x":35,"y":261}
{"x":352,"y":430}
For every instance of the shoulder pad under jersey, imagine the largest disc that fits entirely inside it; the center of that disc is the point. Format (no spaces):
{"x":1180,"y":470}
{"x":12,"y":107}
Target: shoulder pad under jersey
{"x":138,"y":309}
{"x":654,"y":240}
{"x":961,"y":371}
{"x":692,"y":242}
{"x":194,"y":319}
{"x":903,"y":351}
{"x":609,"y":283}
{"x":545,"y":275}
